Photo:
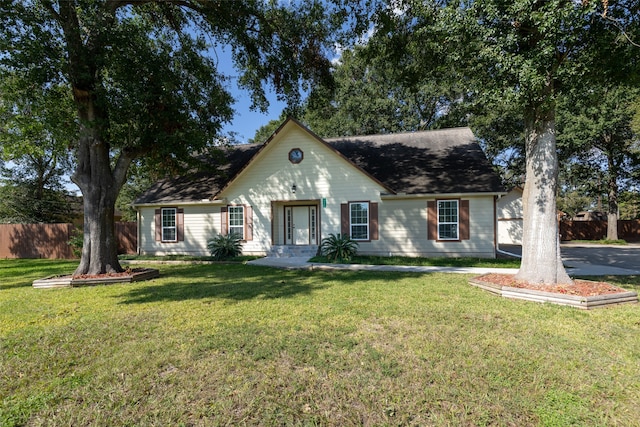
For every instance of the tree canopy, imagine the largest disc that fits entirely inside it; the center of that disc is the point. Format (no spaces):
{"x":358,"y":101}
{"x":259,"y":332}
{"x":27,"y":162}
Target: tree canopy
{"x":596,"y":133}
{"x":145,"y":82}
{"x":36,"y":129}
{"x":520,"y":57}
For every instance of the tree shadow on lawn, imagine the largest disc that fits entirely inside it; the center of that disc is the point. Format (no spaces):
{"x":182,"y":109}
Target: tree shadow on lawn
{"x":233,"y":282}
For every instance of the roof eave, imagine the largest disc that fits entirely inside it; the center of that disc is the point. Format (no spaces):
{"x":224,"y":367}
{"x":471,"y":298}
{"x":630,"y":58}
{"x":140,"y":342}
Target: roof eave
{"x":181,"y":203}
{"x":400,"y":196}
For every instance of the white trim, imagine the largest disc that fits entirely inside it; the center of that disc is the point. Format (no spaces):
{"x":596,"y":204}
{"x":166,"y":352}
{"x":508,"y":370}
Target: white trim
{"x":456,"y":223}
{"x":401,"y":196}
{"x":243,"y":216}
{"x":174,"y":227}
{"x":368,"y":224}
{"x":180,"y":202}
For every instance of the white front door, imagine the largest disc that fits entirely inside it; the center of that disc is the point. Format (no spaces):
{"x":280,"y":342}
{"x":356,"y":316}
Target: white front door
{"x":301,"y":225}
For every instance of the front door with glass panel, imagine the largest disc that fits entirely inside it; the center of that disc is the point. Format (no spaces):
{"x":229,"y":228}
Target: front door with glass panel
{"x":301,"y":225}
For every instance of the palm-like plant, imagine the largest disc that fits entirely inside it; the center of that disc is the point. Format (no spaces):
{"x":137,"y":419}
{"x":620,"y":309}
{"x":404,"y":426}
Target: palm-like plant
{"x":338,"y":247}
{"x":222,"y":247}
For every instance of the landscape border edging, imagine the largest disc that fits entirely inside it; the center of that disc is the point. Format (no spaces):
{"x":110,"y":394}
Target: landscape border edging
{"x":577,"y":301}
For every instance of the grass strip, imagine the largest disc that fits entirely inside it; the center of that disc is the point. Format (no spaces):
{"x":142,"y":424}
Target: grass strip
{"x":417,"y":261}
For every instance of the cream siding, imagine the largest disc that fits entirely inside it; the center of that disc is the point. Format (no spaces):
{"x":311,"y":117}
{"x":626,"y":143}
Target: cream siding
{"x":510,"y":214}
{"x":200,"y":224}
{"x":322,"y":174}
{"x":403,"y":231}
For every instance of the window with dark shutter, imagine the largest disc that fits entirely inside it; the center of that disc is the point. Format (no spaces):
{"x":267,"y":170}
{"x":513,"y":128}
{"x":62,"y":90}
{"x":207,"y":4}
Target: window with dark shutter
{"x":359,"y":220}
{"x":448,"y":220}
{"x":237,"y":219}
{"x":169,"y":225}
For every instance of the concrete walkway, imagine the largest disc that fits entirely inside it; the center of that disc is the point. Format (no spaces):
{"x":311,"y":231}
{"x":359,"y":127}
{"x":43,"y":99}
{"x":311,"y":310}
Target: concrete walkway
{"x":573,"y":268}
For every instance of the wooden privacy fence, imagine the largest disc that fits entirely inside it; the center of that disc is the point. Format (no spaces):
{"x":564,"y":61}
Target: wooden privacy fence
{"x":628,"y":230}
{"x":51,"y":240}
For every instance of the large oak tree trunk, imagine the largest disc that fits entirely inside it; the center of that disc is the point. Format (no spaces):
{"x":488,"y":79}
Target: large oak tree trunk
{"x":100,"y":185}
{"x":612,"y":215}
{"x":99,"y":250}
{"x":541,"y":261}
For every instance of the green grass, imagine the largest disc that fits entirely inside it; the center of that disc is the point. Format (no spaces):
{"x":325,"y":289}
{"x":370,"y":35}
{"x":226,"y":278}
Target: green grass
{"x":245,"y":345}
{"x":601,"y":242}
{"x":416,"y":261}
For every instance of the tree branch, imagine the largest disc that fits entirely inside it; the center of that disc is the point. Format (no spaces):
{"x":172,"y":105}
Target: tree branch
{"x":113,"y":5}
{"x":619,"y":27}
{"x":49,"y":7}
{"x":127,"y":155}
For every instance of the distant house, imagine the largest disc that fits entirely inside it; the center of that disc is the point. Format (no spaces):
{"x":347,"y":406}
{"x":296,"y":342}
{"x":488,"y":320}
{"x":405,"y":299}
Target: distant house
{"x":429,"y":193}
{"x":510,"y":213}
{"x":590,"y":216}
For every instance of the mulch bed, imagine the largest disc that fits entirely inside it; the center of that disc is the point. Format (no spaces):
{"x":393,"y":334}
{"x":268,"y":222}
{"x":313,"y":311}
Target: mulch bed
{"x":125,"y":273}
{"x":583,"y":288}
{"x":127,"y":276}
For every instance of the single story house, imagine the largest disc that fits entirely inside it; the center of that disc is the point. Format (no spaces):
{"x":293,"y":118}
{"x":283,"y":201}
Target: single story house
{"x":430,"y":193}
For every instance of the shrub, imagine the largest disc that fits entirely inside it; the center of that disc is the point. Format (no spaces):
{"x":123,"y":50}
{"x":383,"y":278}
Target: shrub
{"x":76,"y":242}
{"x":222,"y":247}
{"x":338,"y":247}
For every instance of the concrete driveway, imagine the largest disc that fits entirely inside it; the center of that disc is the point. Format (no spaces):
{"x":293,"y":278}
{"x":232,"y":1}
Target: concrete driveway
{"x":595,"y":259}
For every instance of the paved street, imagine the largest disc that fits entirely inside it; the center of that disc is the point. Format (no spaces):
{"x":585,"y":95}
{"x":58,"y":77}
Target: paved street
{"x":614,"y":257}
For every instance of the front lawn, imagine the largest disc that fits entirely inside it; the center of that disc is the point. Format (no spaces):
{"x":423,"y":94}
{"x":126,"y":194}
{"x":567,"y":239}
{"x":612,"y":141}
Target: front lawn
{"x":426,"y":262}
{"x":247,"y":345}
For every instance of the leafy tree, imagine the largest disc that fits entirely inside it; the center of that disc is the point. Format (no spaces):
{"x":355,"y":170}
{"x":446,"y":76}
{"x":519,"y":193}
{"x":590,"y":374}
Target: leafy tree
{"x":524,"y":54}
{"x":371,"y":94}
{"x":138,"y":181}
{"x":35,"y":132}
{"x":267,"y":130}
{"x":23,"y":203}
{"x":145,"y":85}
{"x":629,"y":202}
{"x":595,"y":126}
{"x":578,"y":188}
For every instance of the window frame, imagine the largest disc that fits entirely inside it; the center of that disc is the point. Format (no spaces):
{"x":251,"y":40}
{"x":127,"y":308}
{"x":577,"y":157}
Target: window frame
{"x":232,"y":228}
{"x":456,"y":223}
{"x":173,"y":227}
{"x":367,"y":224}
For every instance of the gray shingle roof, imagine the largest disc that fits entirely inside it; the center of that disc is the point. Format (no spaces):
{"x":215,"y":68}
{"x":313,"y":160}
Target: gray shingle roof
{"x":202,"y":185}
{"x":441,"y":161}
{"x":437,"y":161}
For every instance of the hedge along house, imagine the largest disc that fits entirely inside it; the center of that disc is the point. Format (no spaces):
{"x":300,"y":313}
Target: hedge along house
{"x":430,"y":193}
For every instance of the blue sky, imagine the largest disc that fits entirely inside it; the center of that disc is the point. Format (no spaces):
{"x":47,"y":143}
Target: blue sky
{"x":245,"y":122}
